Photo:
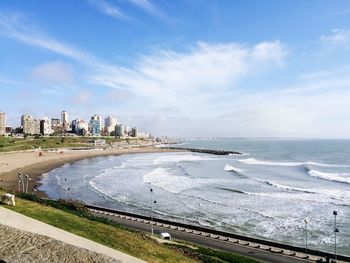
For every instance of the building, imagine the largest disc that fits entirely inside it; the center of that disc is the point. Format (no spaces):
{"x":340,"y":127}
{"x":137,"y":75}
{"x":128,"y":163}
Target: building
{"x":8,"y":129}
{"x":23,"y":118}
{"x":134,"y":132}
{"x":64,"y":116}
{"x":80,"y":127}
{"x":45,"y":127}
{"x":30,"y":126}
{"x":96,"y":125}
{"x":55,"y":123}
{"x":119,"y":131}
{"x":64,"y":120}
{"x":2,"y":123}
{"x":110,"y":123}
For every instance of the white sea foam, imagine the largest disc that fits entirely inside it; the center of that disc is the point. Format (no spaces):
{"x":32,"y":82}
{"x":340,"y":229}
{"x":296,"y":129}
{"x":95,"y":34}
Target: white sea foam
{"x":181,"y":157}
{"x":271,"y":163}
{"x":229,"y":168}
{"x":336,"y":177}
{"x":163,"y":178}
{"x":286,"y":187}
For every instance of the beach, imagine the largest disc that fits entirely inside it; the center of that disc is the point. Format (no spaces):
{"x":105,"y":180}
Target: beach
{"x":35,"y":164}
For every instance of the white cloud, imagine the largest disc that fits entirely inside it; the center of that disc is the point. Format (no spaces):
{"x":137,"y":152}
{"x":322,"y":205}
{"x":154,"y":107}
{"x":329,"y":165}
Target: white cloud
{"x":13,"y":25}
{"x":7,"y":81}
{"x":149,"y":7}
{"x":169,"y":78}
{"x":53,"y":73}
{"x":338,"y":37}
{"x":108,"y":9}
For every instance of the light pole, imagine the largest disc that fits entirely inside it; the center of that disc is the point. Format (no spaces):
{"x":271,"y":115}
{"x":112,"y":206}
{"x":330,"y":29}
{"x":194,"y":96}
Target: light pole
{"x":306,"y":222}
{"x":66,"y":186}
{"x":20,"y":181}
{"x":152,"y":203}
{"x":335,"y":213}
{"x":27,"y":179}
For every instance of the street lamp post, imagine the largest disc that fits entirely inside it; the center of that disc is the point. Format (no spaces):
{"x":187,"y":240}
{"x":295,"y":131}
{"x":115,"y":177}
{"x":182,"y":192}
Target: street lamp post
{"x":306,"y":222}
{"x":152,"y":203}
{"x":335,"y":213}
{"x":27,"y":179}
{"x":66,"y":186}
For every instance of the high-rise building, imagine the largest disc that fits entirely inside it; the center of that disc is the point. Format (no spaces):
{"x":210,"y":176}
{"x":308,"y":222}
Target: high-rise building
{"x":55,"y":122}
{"x":30,"y":125}
{"x":119,"y":130}
{"x":80,"y":127}
{"x":45,"y":127}
{"x":134,"y":132}
{"x":64,"y":116}
{"x":96,"y":124}
{"x":110,"y":123}
{"x":23,"y":118}
{"x":64,"y":120}
{"x":2,"y":123}
{"x":95,"y":127}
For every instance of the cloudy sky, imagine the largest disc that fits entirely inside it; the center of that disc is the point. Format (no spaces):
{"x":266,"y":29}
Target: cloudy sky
{"x":181,"y":68}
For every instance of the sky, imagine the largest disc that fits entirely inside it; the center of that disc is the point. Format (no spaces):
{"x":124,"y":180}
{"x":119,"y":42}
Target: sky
{"x":181,"y":68}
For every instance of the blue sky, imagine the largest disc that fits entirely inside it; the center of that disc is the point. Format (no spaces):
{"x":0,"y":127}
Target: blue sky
{"x":181,"y":68}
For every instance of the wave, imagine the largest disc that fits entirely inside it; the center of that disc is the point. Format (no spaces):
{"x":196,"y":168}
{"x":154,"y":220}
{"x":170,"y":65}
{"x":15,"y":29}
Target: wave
{"x":181,"y":158}
{"x":163,"y":178}
{"x":335,"y":177}
{"x":272,"y":163}
{"x":230,"y":168}
{"x":288,"y":188}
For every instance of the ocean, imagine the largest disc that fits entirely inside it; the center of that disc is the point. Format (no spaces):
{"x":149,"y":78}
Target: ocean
{"x":266,"y":192}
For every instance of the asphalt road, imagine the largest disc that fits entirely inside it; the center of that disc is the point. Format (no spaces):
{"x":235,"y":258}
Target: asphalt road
{"x":259,"y":254}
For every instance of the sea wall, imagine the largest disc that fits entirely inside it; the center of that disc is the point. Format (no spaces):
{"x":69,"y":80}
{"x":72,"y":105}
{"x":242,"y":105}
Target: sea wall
{"x":208,"y":151}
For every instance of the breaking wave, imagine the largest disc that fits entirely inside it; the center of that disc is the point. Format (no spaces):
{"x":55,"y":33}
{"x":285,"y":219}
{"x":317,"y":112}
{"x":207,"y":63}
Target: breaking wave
{"x":335,"y":177}
{"x":230,"y":168}
{"x":271,"y":163}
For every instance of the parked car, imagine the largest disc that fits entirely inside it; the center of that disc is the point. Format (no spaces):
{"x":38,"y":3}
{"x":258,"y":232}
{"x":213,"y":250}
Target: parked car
{"x":165,"y":235}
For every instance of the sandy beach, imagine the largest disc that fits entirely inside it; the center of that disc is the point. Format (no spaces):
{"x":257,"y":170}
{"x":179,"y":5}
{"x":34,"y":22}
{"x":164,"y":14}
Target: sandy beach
{"x":34,"y":164}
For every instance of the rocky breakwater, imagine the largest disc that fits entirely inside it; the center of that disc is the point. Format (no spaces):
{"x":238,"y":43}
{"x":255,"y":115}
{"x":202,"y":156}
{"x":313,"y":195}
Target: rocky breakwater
{"x":208,"y":151}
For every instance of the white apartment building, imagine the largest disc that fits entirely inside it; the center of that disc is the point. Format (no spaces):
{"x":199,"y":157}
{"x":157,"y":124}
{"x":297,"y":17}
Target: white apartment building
{"x":2,"y":123}
{"x":110,"y":123}
{"x":45,"y":127}
{"x":30,"y":125}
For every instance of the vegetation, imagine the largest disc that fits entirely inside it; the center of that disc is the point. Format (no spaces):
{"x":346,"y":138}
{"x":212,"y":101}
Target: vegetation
{"x":28,"y":143}
{"x":131,"y":242}
{"x":8,"y":144}
{"x":72,"y":216}
{"x":207,"y":255}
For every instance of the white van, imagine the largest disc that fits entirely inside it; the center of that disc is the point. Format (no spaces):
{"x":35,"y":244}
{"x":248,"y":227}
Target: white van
{"x":165,"y":236}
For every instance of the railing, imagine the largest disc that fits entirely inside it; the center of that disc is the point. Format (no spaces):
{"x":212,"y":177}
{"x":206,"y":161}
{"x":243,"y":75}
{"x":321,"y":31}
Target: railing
{"x":225,"y":234}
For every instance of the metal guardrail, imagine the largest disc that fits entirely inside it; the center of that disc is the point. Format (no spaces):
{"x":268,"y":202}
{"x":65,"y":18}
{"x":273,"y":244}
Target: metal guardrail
{"x":217,"y":234}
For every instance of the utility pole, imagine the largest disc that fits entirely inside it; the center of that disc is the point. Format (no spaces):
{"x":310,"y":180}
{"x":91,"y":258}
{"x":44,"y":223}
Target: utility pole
{"x":335,"y":213}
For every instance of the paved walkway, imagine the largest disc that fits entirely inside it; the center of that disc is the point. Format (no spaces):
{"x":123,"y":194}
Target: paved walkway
{"x":24,"y":223}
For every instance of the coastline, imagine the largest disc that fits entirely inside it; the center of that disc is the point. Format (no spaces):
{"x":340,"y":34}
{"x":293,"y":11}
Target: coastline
{"x":35,"y":166}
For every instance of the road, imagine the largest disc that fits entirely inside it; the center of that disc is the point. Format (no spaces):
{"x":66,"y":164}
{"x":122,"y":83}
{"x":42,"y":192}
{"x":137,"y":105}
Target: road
{"x":213,"y":242}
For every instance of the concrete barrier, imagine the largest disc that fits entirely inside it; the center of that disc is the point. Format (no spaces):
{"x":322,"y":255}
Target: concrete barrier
{"x":268,"y":243}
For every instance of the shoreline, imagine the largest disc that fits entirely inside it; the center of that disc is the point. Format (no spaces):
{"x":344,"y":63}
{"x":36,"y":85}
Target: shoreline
{"x":36,"y":165}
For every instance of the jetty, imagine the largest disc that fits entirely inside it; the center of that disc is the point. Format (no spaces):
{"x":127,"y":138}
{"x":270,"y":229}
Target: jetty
{"x":208,"y":151}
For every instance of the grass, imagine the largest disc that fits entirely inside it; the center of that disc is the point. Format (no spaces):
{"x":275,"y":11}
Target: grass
{"x":8,"y":144}
{"x":208,"y":255}
{"x":75,"y":218}
{"x":131,"y":242}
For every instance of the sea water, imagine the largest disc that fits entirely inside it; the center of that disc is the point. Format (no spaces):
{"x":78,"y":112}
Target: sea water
{"x":266,"y":192}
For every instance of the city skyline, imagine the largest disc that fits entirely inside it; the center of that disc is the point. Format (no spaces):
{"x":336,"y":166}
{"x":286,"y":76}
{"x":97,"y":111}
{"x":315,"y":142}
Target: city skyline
{"x":184,"y":68}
